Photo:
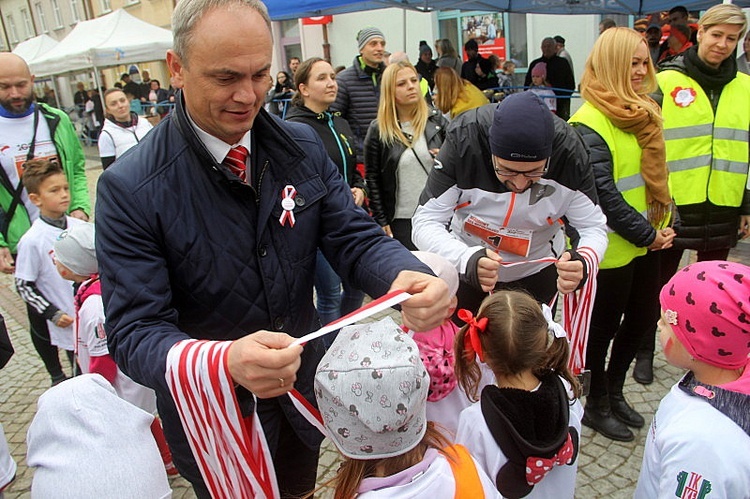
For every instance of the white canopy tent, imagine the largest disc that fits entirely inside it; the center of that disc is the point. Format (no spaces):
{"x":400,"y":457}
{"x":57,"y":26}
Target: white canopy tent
{"x":117,"y":38}
{"x":35,"y":48}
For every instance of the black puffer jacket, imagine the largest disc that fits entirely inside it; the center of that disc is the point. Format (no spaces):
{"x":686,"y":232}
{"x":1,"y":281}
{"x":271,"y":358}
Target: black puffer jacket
{"x":381,"y":163}
{"x":706,"y":226}
{"x":621,"y":217}
{"x":337,"y":137}
{"x":357,"y":100}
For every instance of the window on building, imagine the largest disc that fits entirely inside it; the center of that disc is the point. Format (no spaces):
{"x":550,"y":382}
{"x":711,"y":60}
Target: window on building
{"x":27,"y":24}
{"x":12,"y":28}
{"x":57,"y":13}
{"x":40,"y":16}
{"x":106,"y":6}
{"x":74,"y":11}
{"x":290,"y":42}
{"x":518,"y":50}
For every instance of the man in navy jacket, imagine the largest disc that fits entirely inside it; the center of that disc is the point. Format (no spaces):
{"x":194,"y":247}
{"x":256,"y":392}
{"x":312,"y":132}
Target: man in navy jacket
{"x":190,"y":246}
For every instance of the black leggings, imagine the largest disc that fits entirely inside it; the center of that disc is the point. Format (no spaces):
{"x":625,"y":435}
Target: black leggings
{"x":41,"y":340}
{"x":627,"y":304}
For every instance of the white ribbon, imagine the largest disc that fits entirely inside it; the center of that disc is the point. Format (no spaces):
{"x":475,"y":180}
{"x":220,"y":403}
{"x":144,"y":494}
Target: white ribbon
{"x":287,"y":203}
{"x":553,"y":327}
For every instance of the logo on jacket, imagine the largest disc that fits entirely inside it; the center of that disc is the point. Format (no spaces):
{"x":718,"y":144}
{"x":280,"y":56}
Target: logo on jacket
{"x":691,"y":485}
{"x":683,"y":97}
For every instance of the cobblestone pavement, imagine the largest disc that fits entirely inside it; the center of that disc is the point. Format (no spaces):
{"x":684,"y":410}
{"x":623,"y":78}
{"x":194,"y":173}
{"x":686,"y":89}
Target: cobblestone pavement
{"x":606,"y":468}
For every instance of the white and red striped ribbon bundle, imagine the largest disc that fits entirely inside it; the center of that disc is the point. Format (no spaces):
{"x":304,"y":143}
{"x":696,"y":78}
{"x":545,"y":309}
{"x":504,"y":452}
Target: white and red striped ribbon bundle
{"x":577,"y":308}
{"x":231,"y":452}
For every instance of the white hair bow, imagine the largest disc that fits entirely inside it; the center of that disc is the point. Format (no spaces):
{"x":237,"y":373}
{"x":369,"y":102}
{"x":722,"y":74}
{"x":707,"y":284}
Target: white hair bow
{"x":553,"y":328}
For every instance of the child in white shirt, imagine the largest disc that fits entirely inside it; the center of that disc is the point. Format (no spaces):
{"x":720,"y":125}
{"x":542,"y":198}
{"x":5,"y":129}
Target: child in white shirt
{"x":76,"y":261}
{"x":371,"y":389}
{"x":525,"y":430}
{"x":541,"y":88}
{"x":47,"y":294}
{"x":698,"y":441}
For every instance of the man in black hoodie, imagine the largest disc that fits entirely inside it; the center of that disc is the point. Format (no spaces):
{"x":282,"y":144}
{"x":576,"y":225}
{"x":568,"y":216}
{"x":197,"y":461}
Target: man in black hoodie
{"x":559,"y":75}
{"x":477,"y":69}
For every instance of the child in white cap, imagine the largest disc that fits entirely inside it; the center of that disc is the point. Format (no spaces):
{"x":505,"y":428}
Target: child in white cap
{"x":525,"y":431}
{"x":698,"y":442}
{"x":371,"y":388}
{"x":87,"y":443}
{"x":75,"y":259}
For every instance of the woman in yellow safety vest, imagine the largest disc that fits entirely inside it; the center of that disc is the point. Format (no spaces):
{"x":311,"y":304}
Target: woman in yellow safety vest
{"x":706,"y":107}
{"x":622,"y":126}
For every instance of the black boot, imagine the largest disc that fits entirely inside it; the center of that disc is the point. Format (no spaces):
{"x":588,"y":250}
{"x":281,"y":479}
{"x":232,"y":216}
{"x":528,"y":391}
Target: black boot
{"x":597,"y":415}
{"x":643,"y":372}
{"x":622,"y":411}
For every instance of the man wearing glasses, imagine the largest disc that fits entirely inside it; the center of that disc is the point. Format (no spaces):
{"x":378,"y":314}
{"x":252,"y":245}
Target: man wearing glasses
{"x":510,"y":181}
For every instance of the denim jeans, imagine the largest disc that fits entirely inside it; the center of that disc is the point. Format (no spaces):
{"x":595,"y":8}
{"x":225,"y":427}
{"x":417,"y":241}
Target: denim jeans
{"x":332,"y":302}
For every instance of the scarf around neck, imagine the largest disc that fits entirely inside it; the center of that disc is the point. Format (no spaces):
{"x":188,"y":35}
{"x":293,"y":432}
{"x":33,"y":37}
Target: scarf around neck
{"x":637,"y":120}
{"x":707,"y":77}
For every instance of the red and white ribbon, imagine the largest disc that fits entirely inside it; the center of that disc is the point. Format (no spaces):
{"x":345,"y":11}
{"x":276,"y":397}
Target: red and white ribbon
{"x":288,"y":194}
{"x":577,"y":308}
{"x":231,"y":451}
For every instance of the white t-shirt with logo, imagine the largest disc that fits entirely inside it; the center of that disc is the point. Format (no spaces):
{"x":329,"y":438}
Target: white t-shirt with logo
{"x":36,"y":263}
{"x":15,"y":140}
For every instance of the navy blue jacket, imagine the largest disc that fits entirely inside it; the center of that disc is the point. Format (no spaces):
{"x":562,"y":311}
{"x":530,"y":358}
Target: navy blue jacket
{"x":186,"y":250}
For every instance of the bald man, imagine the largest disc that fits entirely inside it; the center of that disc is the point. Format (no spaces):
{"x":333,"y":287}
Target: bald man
{"x":28,"y":130}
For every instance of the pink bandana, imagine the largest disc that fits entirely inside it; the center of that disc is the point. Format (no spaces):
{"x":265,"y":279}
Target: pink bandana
{"x":707,"y":304}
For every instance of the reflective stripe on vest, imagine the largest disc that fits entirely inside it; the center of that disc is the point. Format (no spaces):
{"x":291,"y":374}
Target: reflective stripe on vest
{"x":626,"y":172}
{"x":707,"y":155}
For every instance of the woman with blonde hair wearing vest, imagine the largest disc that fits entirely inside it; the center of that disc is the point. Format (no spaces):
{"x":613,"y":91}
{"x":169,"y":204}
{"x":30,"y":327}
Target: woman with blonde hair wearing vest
{"x":400,"y":149}
{"x":622,"y":126}
{"x":705,"y":102}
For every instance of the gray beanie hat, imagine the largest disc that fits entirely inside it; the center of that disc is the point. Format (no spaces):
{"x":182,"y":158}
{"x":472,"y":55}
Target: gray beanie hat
{"x":371,"y":388}
{"x":74,"y":248}
{"x":367,"y":34}
{"x":522,"y":129}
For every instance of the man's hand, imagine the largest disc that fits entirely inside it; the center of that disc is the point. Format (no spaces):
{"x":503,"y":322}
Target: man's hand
{"x":663,"y":239}
{"x":487,"y":270}
{"x":359,"y":195}
{"x":387,"y":230}
{"x":64,"y":321}
{"x":80,"y":215}
{"x":7,"y":266}
{"x":429,"y":305}
{"x":744,"y":226}
{"x":569,"y":273}
{"x":260,"y":361}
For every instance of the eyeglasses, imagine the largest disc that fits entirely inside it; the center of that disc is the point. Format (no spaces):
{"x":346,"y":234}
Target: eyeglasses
{"x":506,"y":172}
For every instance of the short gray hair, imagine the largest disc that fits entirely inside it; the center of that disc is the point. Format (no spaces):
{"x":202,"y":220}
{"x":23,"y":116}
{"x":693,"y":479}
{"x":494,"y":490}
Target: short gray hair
{"x":188,"y":12}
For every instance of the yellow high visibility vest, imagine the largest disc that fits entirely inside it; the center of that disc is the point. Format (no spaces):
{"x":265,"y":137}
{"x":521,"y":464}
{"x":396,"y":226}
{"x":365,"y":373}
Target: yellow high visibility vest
{"x":707,"y":154}
{"x":626,"y":171}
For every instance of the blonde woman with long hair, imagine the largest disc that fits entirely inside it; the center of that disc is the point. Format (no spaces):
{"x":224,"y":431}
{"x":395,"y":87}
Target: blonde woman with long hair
{"x":622,"y":126}
{"x":400,"y":148}
{"x":448,"y":55}
{"x":454,"y":94}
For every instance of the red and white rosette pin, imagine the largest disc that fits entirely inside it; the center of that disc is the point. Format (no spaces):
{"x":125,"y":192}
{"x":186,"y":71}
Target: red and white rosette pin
{"x":683,"y":97}
{"x":287,"y":204}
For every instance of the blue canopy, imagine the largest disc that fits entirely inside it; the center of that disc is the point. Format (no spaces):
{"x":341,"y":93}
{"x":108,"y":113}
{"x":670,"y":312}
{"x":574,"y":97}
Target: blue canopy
{"x":286,"y":9}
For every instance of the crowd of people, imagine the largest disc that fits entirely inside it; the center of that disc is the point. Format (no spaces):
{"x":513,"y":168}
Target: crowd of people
{"x":184,"y":308}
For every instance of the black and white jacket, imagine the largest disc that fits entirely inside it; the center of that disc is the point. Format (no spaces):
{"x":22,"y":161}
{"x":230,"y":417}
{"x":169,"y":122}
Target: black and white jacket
{"x":466,"y":189}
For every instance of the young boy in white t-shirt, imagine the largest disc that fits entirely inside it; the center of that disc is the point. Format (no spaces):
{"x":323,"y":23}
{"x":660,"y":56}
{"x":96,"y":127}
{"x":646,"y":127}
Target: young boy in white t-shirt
{"x":37,"y":280}
{"x":75,"y":259}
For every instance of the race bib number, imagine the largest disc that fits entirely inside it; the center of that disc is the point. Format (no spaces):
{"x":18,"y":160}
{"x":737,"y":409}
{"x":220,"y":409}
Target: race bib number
{"x":501,"y":239}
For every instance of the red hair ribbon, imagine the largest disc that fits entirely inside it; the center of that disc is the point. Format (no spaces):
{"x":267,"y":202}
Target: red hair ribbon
{"x":537,"y":467}
{"x":471,"y":338}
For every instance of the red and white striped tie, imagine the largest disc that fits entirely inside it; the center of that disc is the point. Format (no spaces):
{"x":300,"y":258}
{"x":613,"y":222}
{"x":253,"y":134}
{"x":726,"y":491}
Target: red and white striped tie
{"x":235,"y":160}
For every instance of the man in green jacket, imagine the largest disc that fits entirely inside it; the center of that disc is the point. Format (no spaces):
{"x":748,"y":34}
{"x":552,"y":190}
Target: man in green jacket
{"x":28,"y":130}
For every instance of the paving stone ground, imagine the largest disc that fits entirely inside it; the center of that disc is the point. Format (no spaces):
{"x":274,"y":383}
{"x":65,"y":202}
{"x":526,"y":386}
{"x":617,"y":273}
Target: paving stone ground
{"x":606,"y":468}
